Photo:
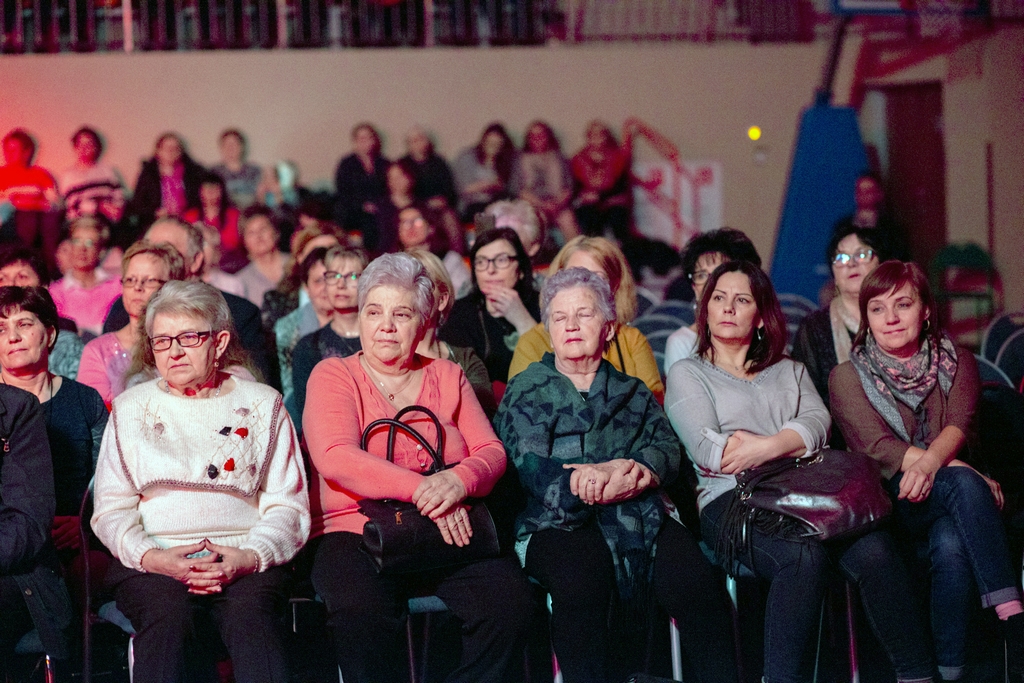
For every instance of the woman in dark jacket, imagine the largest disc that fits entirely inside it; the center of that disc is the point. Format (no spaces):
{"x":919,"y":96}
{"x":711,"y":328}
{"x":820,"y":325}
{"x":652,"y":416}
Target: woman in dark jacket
{"x":168,"y":184}
{"x":361,"y":183}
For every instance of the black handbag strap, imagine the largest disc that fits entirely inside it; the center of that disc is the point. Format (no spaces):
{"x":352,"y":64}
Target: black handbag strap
{"x":395,"y":425}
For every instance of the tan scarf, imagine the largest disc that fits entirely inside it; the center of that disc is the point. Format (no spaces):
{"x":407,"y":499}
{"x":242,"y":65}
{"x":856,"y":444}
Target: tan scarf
{"x":843,"y":325}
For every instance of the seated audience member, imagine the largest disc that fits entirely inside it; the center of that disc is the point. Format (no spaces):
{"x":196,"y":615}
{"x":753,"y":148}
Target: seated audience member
{"x":520,"y":215}
{"x":304,"y":320}
{"x":701,"y":256}
{"x":200,"y":516}
{"x":32,"y":191}
{"x":738,"y":402}
{"x":541,"y":176}
{"x":361,"y":183}
{"x":419,"y":228}
{"x":654,"y":266}
{"x":401,"y":179}
{"x":187,"y":240}
{"x":89,"y":187}
{"x":21,"y":267}
{"x":432,"y":347}
{"x":491,"y":599}
{"x":86,"y":291}
{"x":592,"y":448}
{"x":907,"y":398}
{"x":33,"y":595}
{"x":825,"y":338}
{"x":600,"y":171}
{"x":434,"y":184}
{"x":266,"y":262}
{"x":502,"y":305}
{"x":340,"y":337}
{"x":482,"y":172}
{"x":241,"y":178}
{"x":74,"y":413}
{"x":215,"y":208}
{"x":628,"y":351}
{"x":871,"y":213}
{"x":168,"y":184}
{"x":105,"y":359}
{"x":212,"y":273}
{"x":290,"y":292}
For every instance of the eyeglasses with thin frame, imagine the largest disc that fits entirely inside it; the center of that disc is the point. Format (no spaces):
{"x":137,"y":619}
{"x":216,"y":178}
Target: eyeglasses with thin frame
{"x":186,"y":340}
{"x":859,"y":256}
{"x":700,"y":277}
{"x":148,"y":284}
{"x":500,"y":262}
{"x":87,"y":243}
{"x":336,"y":279}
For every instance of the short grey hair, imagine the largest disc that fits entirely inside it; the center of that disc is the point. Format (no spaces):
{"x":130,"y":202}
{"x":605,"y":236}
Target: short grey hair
{"x":193,"y":237}
{"x":520,"y":211}
{"x":578,"y":277}
{"x":401,"y":271}
{"x":192,"y":299}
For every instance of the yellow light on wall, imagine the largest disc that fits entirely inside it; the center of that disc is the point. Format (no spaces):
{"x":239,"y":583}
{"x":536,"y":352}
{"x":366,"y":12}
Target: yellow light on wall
{"x":754,"y":133}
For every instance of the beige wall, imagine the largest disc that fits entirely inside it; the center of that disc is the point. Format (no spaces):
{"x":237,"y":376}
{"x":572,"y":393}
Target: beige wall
{"x":301,"y":104}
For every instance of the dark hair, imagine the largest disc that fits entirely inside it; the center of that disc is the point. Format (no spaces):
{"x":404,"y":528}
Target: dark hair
{"x":506,"y":155}
{"x":872,"y":237}
{"x":771,"y":347}
{"x":178,"y":138}
{"x":232,"y":132}
{"x":252,"y":211}
{"x":366,"y":125}
{"x":91,"y":132}
{"x":211,"y":178}
{"x":734,"y":245}
{"x":655,"y":254}
{"x":312,"y":258}
{"x":524,"y":286}
{"x":552,"y":142}
{"x":889,"y":277}
{"x":15,"y":253}
{"x":408,"y":167}
{"x":24,"y":139}
{"x":438,"y":241}
{"x":35,"y":300}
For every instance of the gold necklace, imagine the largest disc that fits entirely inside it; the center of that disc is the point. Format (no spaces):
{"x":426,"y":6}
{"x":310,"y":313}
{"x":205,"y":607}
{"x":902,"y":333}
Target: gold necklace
{"x":390,"y":395}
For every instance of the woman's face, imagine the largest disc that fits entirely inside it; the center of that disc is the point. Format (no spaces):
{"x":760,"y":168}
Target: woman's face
{"x":413,"y":229}
{"x":850,"y":275}
{"x":577,"y":328}
{"x":896,"y":319}
{"x":85,"y":248}
{"x":86,"y":149}
{"x":732,"y":313}
{"x":19,"y":274}
{"x":597,"y":136}
{"x":231,"y":149}
{"x":142,"y":278}
{"x":493,"y":142}
{"x":581,"y":258}
{"x":259,"y":236}
{"x":537,"y":139}
{"x":489,"y":276}
{"x":342,"y":282}
{"x":706,"y":264}
{"x":390,"y":326}
{"x":316,"y":287}
{"x":168,"y":150}
{"x":187,"y":366}
{"x":418,"y":144}
{"x":24,"y":341}
{"x":364,"y":142}
{"x":398,"y":181}
{"x":211,"y":193}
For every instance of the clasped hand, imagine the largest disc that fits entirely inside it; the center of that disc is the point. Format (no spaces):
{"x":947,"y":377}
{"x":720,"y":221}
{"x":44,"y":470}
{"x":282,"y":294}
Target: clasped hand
{"x":438,"y":497}
{"x":744,"y":450}
{"x":205,"y":575}
{"x":608,"y":482}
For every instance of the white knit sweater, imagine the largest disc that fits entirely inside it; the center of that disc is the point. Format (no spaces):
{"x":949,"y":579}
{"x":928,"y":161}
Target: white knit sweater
{"x":174,"y":471}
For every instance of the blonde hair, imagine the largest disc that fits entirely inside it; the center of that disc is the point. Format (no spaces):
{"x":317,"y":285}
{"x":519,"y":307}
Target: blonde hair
{"x":611,"y":258}
{"x":164,"y":252}
{"x":438,"y":274}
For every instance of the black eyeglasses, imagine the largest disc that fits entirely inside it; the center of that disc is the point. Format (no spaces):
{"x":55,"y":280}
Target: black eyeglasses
{"x":859,"y":256}
{"x":186,"y":340}
{"x":501,"y":262}
{"x":333,"y":277}
{"x":148,"y":284}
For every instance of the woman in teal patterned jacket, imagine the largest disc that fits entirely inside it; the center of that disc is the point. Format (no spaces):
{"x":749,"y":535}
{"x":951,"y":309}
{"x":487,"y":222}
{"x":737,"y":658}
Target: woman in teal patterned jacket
{"x":592,"y":448}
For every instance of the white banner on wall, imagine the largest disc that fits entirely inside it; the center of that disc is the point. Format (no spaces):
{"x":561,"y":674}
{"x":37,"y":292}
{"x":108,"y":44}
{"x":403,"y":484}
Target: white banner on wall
{"x":673,"y":201}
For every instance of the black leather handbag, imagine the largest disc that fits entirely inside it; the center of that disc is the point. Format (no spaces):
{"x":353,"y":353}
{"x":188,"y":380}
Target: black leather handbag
{"x":397,"y":537}
{"x":829,"y":495}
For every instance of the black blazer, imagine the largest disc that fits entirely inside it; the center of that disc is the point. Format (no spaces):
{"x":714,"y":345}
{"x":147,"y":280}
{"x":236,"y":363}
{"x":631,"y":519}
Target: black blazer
{"x":148,"y":196}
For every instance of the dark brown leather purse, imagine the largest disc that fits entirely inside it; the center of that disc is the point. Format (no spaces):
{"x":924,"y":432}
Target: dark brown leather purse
{"x":397,"y":537}
{"x":829,"y":495}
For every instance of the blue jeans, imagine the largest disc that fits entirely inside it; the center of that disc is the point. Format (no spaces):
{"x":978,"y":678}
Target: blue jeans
{"x":799,"y":571}
{"x":966,"y":547}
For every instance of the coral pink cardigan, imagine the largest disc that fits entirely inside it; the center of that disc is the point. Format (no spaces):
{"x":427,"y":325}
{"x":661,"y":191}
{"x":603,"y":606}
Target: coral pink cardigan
{"x":341,"y":400}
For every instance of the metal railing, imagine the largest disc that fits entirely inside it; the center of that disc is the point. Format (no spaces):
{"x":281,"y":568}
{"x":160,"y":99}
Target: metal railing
{"x":104,"y":25}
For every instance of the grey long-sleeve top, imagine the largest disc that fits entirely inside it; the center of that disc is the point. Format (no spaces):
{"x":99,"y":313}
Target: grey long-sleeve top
{"x":706,"y":404}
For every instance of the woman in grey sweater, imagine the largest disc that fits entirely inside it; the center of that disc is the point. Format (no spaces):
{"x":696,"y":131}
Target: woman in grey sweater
{"x":738,"y":403}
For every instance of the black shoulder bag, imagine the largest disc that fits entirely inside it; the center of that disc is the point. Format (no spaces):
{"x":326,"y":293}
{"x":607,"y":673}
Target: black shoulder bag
{"x":397,"y":537}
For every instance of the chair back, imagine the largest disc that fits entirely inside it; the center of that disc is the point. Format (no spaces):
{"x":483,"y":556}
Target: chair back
{"x":1010,"y":358}
{"x":991,"y":374}
{"x":998,"y":331}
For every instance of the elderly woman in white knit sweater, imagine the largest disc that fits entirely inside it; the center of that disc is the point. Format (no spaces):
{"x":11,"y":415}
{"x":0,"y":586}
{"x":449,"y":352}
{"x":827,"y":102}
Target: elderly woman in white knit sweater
{"x":200,"y":493}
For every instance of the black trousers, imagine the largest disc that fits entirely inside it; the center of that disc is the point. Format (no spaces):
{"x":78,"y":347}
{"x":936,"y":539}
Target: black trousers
{"x":576,"y":568}
{"x":164,"y":615}
{"x":367,"y":611}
